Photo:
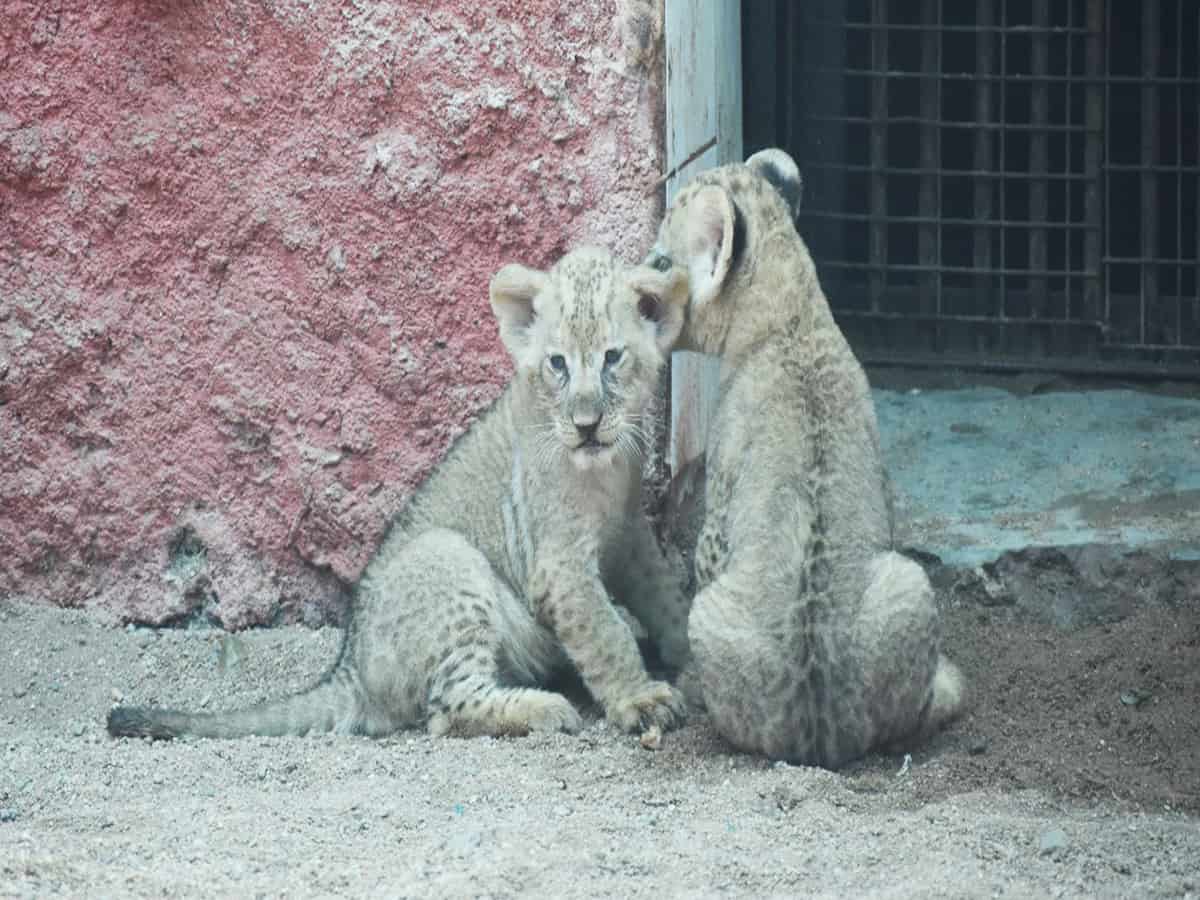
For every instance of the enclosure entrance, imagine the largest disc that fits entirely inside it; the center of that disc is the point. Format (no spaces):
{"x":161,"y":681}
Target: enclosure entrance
{"x":1006,"y":183}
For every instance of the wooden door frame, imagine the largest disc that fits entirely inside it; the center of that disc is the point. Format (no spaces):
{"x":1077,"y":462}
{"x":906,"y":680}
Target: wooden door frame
{"x":704,"y":101}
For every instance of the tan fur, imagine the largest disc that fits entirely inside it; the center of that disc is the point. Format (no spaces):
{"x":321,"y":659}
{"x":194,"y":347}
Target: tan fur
{"x":501,"y":567}
{"x":812,"y":640}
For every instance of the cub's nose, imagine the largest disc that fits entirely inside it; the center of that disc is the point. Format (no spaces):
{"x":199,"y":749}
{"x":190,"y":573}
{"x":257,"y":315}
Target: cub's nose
{"x":587,"y":427}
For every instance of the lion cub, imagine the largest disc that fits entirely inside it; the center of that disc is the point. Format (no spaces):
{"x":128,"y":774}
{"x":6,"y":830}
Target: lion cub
{"x":501,"y":566}
{"x":812,"y":641}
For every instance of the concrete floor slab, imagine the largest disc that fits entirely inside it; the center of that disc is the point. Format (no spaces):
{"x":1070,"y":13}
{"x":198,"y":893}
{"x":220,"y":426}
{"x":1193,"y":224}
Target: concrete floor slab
{"x":982,"y":470}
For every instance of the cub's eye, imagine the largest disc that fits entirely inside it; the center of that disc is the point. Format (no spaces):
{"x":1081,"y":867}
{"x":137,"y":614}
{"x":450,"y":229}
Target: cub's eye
{"x":558,"y":363}
{"x":659,"y":261}
{"x":612,"y":356}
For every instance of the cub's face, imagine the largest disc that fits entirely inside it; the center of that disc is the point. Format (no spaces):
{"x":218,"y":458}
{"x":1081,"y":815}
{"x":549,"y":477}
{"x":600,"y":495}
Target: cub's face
{"x":714,"y":231}
{"x":590,"y":338}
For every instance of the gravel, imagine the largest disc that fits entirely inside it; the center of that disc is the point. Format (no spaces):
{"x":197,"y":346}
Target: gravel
{"x":595,"y":814}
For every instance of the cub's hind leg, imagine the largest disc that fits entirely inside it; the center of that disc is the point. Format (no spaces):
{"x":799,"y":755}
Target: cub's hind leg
{"x":466,"y":698}
{"x":446,"y":641}
{"x":910,"y":688}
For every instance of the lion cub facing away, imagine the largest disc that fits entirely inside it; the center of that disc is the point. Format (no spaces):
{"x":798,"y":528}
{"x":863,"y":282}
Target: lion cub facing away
{"x":500,"y":567}
{"x":812,"y":641}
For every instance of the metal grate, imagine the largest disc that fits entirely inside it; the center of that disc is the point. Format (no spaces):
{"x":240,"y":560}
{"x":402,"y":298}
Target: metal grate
{"x":998,"y":182}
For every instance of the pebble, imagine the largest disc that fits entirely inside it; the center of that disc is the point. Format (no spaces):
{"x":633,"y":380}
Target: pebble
{"x":978,"y":747}
{"x":8,"y":814}
{"x":78,"y":730}
{"x":1052,"y":841}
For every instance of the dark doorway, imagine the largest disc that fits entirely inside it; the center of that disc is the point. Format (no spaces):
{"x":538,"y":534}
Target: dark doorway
{"x":1005,"y":183}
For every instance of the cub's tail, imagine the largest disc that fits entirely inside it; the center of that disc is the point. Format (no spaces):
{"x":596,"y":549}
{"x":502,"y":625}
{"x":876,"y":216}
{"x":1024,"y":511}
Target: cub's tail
{"x":336,"y":703}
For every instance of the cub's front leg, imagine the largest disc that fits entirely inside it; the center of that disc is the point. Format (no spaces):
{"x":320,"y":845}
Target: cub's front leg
{"x":570,"y":600}
{"x":642,"y":579}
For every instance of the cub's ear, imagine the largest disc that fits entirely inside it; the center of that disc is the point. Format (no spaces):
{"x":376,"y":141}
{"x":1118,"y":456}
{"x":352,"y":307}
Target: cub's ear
{"x":711,"y":223}
{"x":661,"y":302}
{"x":783,"y":173}
{"x":512,"y":292}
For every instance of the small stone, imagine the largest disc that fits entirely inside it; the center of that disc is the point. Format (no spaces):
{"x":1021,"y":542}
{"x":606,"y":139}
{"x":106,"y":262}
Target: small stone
{"x":1052,"y":841}
{"x":978,"y":747}
{"x":562,"y":810}
{"x":1135,"y":697}
{"x":78,"y":730}
{"x":117,"y":695}
{"x":19,"y":691}
{"x":8,"y":814}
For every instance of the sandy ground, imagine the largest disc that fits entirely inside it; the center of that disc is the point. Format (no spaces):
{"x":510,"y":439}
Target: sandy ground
{"x":1032,"y":794}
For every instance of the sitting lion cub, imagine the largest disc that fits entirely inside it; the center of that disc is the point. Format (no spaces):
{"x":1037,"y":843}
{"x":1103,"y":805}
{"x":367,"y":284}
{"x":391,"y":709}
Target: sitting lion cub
{"x":500,"y":567}
{"x":812,"y":641}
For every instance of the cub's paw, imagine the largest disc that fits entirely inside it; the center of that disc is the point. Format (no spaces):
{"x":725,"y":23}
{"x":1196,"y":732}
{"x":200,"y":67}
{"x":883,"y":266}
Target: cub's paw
{"x":654,"y":704}
{"x":549,"y":712}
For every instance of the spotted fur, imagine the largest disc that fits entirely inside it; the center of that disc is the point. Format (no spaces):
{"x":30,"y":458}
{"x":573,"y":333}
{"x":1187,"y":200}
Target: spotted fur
{"x":813,"y":641}
{"x":502,"y":566}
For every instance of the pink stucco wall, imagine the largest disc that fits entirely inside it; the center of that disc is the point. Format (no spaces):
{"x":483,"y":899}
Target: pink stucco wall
{"x":244,"y":253}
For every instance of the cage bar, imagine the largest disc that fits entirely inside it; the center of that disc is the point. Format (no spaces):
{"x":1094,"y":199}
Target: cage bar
{"x":879,"y":115}
{"x":982,"y":153}
{"x":1092,"y":154}
{"x":1149,"y":223}
{"x":1039,"y":165}
{"x":928,"y":192}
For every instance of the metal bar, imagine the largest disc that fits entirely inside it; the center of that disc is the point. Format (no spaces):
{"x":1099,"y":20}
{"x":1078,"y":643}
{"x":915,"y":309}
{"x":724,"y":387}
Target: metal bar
{"x":792,"y":75}
{"x":1106,"y":368}
{"x":1179,"y":173}
{"x":927,"y":192}
{"x":1150,"y":45}
{"x":1003,"y":124}
{"x":878,"y":142}
{"x":964,"y":29}
{"x":1092,"y":154}
{"x":952,"y":173}
{"x":1039,"y":164}
{"x":947,"y":123}
{"x":952,"y":270}
{"x":1068,"y":161}
{"x":939,"y":65}
{"x":1145,"y":260}
{"x":944,"y":220}
{"x":968,"y":319}
{"x":1014,"y":77}
{"x":1138,"y":167}
{"x":982,"y":251}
